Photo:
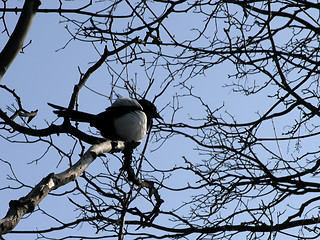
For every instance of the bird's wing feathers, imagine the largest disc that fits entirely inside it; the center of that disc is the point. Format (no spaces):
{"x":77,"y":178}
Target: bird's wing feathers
{"x":127,"y":102}
{"x":124,"y":119}
{"x":105,"y":120}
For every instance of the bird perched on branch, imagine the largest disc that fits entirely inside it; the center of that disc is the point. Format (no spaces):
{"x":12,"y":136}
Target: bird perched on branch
{"x":126,"y":119}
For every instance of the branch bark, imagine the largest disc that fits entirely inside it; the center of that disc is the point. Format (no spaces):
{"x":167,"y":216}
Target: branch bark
{"x":142,"y":184}
{"x":15,"y":42}
{"x":18,"y":208}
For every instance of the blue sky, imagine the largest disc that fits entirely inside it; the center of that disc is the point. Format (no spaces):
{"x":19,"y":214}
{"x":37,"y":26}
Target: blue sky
{"x":43,"y":73}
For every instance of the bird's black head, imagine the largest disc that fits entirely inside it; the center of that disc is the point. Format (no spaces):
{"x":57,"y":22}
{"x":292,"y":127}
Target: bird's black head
{"x":149,"y":108}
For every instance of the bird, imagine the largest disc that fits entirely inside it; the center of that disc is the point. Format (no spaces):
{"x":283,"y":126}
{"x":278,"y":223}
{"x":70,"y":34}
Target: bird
{"x":127,"y":119}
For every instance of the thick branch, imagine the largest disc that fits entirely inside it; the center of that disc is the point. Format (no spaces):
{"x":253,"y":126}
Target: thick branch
{"x":18,"y":208}
{"x":15,"y":43}
{"x":52,"y":129}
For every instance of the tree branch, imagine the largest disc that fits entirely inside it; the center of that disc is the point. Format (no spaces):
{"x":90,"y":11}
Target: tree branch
{"x":18,"y":208}
{"x":15,"y":42}
{"x":104,"y":56}
{"x":146,"y":184}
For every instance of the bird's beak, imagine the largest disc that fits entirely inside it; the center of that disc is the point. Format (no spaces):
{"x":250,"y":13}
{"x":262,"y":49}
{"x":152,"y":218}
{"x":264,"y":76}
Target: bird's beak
{"x":157,"y":115}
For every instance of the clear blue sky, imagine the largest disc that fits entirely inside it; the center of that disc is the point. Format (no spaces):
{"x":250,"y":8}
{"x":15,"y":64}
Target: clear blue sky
{"x":42,"y":74}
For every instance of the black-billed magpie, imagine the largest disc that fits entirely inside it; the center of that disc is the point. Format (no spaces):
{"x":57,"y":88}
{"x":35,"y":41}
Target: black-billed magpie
{"x":126,"y":119}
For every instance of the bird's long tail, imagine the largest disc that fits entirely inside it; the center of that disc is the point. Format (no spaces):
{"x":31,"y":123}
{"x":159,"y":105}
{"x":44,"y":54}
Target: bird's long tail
{"x":72,"y":114}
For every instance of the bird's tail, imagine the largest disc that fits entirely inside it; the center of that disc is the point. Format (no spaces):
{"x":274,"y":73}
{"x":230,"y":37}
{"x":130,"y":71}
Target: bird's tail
{"x":72,"y":114}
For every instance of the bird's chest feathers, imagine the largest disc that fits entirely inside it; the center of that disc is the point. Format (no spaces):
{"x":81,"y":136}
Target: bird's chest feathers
{"x":132,"y":126}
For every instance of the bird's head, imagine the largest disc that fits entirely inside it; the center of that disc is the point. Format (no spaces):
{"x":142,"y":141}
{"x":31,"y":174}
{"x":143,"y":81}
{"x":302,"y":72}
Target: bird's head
{"x":149,"y":108}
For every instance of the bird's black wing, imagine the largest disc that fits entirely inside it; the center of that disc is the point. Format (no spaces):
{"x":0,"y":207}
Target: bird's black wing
{"x":118,"y":111}
{"x":104,"y":121}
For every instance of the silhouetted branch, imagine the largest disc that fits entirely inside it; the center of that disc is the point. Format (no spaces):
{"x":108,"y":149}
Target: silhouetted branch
{"x":127,"y":156}
{"x":26,"y":204}
{"x":16,"y":40}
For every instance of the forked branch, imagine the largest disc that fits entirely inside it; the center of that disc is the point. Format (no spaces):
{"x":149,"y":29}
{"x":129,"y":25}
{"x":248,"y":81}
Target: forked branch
{"x":18,"y":208}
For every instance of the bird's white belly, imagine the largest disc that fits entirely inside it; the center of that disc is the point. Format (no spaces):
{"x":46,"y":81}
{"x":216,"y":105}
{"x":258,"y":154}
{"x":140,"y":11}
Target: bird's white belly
{"x":132,"y":126}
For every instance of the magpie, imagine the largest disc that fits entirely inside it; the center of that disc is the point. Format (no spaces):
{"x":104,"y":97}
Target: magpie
{"x":127,"y":119}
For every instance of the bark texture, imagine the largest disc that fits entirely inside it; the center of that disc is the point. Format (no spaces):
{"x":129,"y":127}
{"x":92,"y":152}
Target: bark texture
{"x":26,"y":204}
{"x":17,"y":38}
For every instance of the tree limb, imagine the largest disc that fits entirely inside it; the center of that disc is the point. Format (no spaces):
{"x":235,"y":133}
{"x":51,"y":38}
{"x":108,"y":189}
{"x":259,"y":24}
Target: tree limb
{"x":142,"y":184}
{"x":15,"y":42}
{"x":18,"y":208}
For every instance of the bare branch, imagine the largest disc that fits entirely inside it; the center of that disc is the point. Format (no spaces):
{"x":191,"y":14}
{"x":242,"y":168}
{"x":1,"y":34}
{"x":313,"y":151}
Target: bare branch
{"x":16,"y":40}
{"x":26,"y":204}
